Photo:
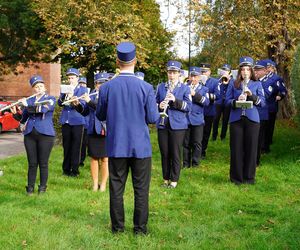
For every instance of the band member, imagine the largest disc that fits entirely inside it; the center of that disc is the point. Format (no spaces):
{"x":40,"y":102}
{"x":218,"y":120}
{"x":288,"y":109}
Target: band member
{"x":261,"y":74}
{"x":83,"y":83}
{"x":127,"y":103}
{"x":140,"y":75}
{"x":192,"y":146}
{"x":96,"y":134}
{"x":279,"y":92}
{"x":221,"y":108}
{"x":244,"y":123}
{"x":174,"y":102}
{"x":72,"y":125}
{"x":38,"y":132}
{"x":209,"y":111}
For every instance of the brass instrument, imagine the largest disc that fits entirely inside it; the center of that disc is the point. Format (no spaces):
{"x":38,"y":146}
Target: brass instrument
{"x":19,"y":102}
{"x":78,"y":98}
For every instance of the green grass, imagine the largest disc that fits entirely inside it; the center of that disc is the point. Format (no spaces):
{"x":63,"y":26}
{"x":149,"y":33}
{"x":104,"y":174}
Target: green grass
{"x":206,"y":211}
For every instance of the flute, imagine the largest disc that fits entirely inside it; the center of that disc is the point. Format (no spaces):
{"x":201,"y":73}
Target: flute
{"x":77,"y":98}
{"x":18,"y":102}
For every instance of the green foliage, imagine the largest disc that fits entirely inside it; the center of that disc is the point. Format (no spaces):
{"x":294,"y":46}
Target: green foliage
{"x":22,"y":36}
{"x":83,"y":33}
{"x":205,"y":211}
{"x":295,"y":80}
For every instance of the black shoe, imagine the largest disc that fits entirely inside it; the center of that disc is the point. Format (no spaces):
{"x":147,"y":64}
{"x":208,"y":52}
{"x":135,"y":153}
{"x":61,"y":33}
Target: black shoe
{"x":42,"y":189}
{"x":117,"y":230}
{"x":74,"y":174}
{"x":140,"y":232}
{"x":29,"y":190}
{"x":66,"y":173}
{"x":214,"y":138}
{"x":195,"y":165}
{"x":81,"y":164}
{"x":203,"y":156}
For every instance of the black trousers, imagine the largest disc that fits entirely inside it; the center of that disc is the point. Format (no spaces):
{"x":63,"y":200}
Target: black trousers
{"x":192,"y":145}
{"x":38,"y":148}
{"x":243,"y":150}
{"x":270,"y":129}
{"x":141,"y":174}
{"x":170,"y":144}
{"x":83,"y":146}
{"x":224,"y":111}
{"x":72,"y":139}
{"x":206,"y":132}
{"x":261,"y":139}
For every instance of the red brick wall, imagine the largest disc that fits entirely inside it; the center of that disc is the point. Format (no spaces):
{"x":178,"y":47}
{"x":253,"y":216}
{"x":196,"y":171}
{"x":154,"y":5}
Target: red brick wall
{"x":13,"y":87}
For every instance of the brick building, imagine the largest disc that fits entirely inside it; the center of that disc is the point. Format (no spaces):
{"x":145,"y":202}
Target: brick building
{"x":14,"y":87}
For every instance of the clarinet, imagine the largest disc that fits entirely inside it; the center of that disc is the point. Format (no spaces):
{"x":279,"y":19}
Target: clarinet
{"x":164,"y":114}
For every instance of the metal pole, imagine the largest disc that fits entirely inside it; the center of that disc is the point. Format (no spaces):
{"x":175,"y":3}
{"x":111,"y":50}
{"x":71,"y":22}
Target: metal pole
{"x":189,"y":35}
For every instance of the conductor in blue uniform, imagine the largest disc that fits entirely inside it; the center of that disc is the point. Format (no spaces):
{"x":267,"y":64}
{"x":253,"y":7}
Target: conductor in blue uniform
{"x":128,"y":105}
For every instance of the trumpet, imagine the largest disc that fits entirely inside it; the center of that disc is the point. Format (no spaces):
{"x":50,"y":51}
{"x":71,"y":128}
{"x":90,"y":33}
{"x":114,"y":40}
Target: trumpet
{"x":19,"y":102}
{"x":78,"y":98}
{"x":225,"y":79}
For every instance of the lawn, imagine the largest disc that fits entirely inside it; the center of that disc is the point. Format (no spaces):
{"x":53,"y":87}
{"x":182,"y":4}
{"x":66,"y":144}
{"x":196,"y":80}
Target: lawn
{"x":206,"y":211}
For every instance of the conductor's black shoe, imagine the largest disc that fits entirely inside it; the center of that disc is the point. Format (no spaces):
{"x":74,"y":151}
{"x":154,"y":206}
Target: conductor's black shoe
{"x":214,"y":138}
{"x":29,"y":190}
{"x":117,"y":230}
{"x":42,"y":189}
{"x":140,"y":233}
{"x":81,"y":164}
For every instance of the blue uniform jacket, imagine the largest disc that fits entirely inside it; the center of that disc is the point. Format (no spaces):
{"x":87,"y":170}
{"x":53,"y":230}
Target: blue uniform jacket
{"x":128,"y":105}
{"x":199,"y":101}
{"x":264,"y":111}
{"x":275,"y":86}
{"x":213,"y":95}
{"x":177,"y":110}
{"x":69,"y":114}
{"x":39,"y":117}
{"x":233,"y":94}
{"x":89,"y":110}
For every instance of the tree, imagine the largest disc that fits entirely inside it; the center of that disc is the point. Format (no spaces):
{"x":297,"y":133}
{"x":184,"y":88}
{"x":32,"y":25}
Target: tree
{"x":259,"y":28}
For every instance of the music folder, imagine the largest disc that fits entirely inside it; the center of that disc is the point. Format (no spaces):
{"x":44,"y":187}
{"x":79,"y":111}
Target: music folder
{"x":66,"y":89}
{"x":244,"y":104}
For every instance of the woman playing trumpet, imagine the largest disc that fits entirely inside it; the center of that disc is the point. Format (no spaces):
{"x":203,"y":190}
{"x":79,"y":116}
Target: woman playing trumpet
{"x":38,"y":132}
{"x":174,"y":100}
{"x":244,"y":122}
{"x":96,"y":134}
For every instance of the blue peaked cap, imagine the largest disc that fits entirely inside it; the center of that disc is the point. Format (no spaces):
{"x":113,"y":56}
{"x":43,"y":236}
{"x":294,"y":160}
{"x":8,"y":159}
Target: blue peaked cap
{"x":35,"y":79}
{"x":174,"y":65}
{"x":126,"y":52}
{"x":82,"y":80}
{"x":261,"y":64}
{"x":226,"y":67}
{"x":101,"y":77}
{"x":195,"y":71}
{"x":72,"y":71}
{"x":246,"y":61}
{"x":271,"y":62}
